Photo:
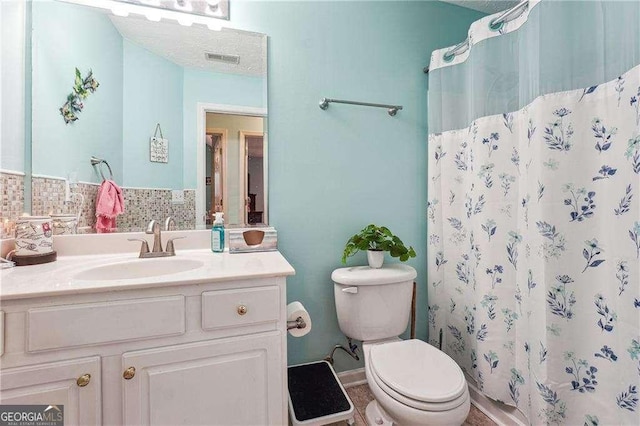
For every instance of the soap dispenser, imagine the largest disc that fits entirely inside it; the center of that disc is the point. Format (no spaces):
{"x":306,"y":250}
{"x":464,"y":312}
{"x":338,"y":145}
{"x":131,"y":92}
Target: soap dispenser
{"x":217,"y":233}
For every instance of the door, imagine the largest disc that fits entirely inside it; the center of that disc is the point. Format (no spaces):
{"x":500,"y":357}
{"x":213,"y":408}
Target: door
{"x":235,"y":381}
{"x":253,"y":174}
{"x":233,"y":128}
{"x":216,"y":170}
{"x":74,"y":384}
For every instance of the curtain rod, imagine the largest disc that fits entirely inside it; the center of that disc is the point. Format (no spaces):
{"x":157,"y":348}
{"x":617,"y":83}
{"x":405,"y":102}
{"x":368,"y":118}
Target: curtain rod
{"x":517,"y":10}
{"x":494,"y":24}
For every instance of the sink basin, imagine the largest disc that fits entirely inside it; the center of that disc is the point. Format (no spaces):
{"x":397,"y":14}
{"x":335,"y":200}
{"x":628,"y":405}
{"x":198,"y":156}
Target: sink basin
{"x":136,"y":269}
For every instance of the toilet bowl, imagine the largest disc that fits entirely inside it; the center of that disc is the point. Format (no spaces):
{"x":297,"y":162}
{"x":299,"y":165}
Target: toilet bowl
{"x":414,"y":384}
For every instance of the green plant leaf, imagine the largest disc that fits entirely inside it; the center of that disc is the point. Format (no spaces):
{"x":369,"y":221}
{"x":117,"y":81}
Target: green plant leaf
{"x":374,"y":237}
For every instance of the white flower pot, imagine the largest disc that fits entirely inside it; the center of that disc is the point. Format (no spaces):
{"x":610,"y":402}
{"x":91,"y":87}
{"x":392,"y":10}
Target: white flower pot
{"x":375,"y":258}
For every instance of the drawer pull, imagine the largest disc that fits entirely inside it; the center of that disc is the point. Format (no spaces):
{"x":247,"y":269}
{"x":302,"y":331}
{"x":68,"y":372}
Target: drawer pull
{"x":242,"y":310}
{"x":83,"y":380}
{"x":129,"y":373}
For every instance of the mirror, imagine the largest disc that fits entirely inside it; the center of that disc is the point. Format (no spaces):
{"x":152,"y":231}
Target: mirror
{"x":143,"y":94}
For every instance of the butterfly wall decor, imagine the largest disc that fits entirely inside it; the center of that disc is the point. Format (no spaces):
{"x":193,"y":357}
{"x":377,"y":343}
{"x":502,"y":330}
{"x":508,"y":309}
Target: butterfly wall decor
{"x":81,"y":89}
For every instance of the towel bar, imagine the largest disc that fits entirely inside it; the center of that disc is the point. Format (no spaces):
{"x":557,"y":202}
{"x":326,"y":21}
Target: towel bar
{"x":95,"y":161}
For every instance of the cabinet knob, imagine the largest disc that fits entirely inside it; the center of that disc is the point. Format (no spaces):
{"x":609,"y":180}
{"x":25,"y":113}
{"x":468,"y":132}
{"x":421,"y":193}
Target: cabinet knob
{"x":83,"y":380}
{"x":242,"y":310}
{"x":129,"y":373}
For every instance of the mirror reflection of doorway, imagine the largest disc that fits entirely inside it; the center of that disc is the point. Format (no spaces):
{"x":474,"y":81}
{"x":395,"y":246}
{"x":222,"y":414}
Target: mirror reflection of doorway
{"x":235,"y":170}
{"x":216,"y":140}
{"x":254,"y":166}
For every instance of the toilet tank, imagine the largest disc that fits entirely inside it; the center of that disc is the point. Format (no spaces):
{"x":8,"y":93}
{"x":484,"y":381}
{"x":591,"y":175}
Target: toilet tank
{"x":373,"y":304}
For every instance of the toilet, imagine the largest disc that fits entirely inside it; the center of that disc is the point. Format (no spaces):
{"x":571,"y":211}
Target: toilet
{"x":413,"y":382}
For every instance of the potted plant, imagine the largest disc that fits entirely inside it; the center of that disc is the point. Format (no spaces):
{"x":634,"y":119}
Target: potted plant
{"x":376,"y":240}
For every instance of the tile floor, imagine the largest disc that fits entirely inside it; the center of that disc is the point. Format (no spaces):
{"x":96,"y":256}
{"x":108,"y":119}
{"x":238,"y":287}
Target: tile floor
{"x":361,"y":395}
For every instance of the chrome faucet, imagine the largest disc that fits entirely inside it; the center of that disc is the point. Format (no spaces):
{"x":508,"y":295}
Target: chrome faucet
{"x":155,"y":229}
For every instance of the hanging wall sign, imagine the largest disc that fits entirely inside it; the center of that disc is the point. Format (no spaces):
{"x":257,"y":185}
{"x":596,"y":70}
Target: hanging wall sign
{"x":158,"y":147}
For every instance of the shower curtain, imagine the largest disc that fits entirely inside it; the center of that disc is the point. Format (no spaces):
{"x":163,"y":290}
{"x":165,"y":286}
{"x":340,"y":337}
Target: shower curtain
{"x":534,"y":210}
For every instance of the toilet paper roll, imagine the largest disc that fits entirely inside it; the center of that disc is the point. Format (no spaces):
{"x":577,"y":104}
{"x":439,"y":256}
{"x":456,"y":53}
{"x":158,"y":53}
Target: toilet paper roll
{"x":295,"y":310}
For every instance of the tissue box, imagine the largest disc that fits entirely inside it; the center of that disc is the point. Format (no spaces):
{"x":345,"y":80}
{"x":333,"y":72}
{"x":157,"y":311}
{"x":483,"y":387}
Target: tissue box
{"x":246,"y":240}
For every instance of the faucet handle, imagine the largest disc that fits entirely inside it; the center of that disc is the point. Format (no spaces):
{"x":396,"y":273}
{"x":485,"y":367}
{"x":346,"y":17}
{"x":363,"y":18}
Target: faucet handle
{"x":154,"y":228}
{"x":169,"y":224}
{"x":144,"y":248}
{"x":151,"y":227}
{"x":170,"y":248}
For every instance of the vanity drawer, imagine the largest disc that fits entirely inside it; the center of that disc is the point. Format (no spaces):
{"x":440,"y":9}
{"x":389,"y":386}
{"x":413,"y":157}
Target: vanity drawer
{"x":106,"y":322}
{"x":229,"y":308}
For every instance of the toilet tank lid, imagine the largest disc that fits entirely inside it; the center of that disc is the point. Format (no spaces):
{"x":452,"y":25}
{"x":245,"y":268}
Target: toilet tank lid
{"x":365,"y":275}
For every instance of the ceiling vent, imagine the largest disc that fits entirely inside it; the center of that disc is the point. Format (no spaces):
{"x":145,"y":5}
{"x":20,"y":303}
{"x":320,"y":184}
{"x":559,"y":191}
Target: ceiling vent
{"x":218,"y":57}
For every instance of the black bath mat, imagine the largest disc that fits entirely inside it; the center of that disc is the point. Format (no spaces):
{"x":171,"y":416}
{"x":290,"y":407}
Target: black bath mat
{"x":315,"y":392}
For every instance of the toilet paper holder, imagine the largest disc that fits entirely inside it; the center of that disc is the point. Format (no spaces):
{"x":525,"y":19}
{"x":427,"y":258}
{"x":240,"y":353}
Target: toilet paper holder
{"x":297,"y":323}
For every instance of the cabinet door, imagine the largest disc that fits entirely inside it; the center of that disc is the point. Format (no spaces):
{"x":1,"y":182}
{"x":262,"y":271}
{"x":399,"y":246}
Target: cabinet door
{"x":75,"y":384}
{"x":235,"y":381}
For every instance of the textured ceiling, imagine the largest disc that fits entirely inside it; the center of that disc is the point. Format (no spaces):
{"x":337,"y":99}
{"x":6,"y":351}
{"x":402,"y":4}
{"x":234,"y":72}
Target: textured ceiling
{"x":487,"y":6}
{"x":186,"y":46}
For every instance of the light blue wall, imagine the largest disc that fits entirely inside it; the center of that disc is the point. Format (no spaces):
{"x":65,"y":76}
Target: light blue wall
{"x":12,"y":85}
{"x":333,"y":172}
{"x":152,"y":94}
{"x":214,"y":88}
{"x":60,"y":44}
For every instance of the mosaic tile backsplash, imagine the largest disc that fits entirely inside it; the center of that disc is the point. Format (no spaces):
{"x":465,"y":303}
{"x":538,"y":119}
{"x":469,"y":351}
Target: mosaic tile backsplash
{"x":144,"y":205}
{"x":141,"y":205}
{"x":12,"y":187}
{"x":48,"y":198}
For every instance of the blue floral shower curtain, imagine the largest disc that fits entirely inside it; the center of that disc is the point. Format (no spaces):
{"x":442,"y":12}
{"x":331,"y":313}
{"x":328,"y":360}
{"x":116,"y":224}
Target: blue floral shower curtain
{"x":534,"y":210}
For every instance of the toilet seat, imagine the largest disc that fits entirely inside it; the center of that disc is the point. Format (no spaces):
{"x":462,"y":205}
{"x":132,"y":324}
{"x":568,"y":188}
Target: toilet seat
{"x":418,"y":375}
{"x":419,"y":405}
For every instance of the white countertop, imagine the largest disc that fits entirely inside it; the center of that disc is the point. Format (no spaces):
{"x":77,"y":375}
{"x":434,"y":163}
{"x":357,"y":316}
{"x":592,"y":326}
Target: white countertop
{"x":58,"y":278}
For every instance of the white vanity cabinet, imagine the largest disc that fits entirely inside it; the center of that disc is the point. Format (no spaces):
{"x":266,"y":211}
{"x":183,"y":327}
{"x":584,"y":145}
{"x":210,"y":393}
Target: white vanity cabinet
{"x":74,"y":384}
{"x":226,"y":382}
{"x":209,"y":353}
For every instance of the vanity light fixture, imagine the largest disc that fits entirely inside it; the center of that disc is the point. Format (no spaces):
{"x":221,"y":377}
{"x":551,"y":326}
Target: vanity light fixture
{"x":213,"y":8}
{"x":183,"y":6}
{"x":127,"y":7}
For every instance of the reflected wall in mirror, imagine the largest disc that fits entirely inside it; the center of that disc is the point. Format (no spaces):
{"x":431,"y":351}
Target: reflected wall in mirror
{"x":149,"y":73}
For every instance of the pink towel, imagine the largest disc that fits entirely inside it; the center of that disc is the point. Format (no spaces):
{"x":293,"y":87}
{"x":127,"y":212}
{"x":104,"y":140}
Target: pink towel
{"x":109,"y":204}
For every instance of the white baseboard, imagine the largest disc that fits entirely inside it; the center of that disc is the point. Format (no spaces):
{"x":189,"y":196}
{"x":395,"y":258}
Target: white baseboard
{"x":351,"y":378}
{"x":501,"y":414}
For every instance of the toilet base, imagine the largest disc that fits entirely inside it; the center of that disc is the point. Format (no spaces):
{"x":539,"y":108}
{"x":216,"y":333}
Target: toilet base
{"x":386,"y":411}
{"x":376,"y":416}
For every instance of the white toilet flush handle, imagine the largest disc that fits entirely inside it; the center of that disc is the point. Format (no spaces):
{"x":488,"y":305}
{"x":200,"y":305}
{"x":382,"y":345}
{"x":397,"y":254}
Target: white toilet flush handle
{"x":352,"y":290}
